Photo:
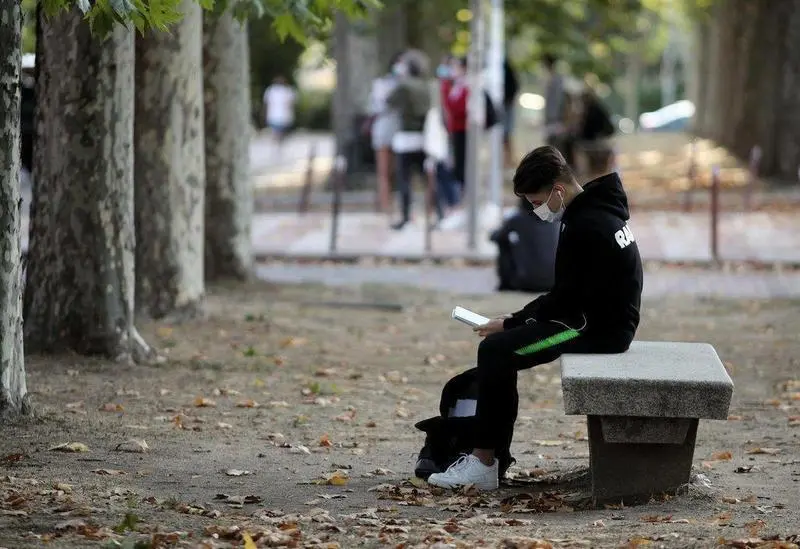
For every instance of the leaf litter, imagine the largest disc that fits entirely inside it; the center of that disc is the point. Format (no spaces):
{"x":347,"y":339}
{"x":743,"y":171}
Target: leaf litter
{"x":472,"y":515}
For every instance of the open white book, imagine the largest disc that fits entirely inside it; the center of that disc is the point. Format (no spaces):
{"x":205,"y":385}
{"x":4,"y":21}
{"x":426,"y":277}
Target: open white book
{"x":468,"y":317}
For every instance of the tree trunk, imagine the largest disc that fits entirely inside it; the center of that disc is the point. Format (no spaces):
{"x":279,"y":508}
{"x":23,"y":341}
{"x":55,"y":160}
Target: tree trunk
{"x":356,"y":54}
{"x":788,"y":127}
{"x":170,"y":167}
{"x":391,"y":25}
{"x":712,"y":116}
{"x":12,"y":362}
{"x":751,"y":68}
{"x":700,"y":77}
{"x":229,"y":193}
{"x":80,"y":272}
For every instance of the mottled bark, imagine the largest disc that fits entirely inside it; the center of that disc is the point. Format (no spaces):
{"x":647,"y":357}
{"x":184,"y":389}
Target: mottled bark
{"x":700,"y":76}
{"x":712,"y":111}
{"x":788,"y":126}
{"x":13,"y":391}
{"x":356,"y":53}
{"x":229,"y":193}
{"x":391,"y":25}
{"x":764,"y":89}
{"x":80,"y":273}
{"x":170,"y":167}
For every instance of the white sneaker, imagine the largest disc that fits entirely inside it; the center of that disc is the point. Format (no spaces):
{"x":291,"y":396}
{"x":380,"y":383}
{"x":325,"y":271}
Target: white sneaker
{"x":467,"y":470}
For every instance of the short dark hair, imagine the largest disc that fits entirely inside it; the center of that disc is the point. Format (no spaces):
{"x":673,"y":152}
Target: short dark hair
{"x":541,"y":168}
{"x":394,"y":59}
{"x":549,"y":60}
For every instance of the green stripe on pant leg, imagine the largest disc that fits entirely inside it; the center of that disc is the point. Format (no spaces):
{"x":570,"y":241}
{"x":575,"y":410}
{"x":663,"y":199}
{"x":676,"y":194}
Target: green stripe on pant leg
{"x":548,"y":342}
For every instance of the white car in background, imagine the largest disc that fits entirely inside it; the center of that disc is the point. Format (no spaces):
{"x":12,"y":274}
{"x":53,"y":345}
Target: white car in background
{"x":672,"y":117}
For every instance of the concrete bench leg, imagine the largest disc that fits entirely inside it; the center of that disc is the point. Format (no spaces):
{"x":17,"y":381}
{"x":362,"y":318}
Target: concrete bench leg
{"x":634,"y":458}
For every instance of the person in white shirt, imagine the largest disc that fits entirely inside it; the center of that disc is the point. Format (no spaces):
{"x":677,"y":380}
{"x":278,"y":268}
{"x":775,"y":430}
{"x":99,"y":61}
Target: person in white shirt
{"x":279,"y":100}
{"x":385,"y":122}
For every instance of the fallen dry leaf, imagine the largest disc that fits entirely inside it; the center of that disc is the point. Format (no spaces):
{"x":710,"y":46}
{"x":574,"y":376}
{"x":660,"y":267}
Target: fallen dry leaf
{"x":133,"y":445}
{"x":202,"y":402}
{"x":768,"y":451}
{"x":247,"y":403}
{"x":237,"y":472}
{"x":325,"y":441}
{"x":238,"y":500}
{"x":754,"y":527}
{"x":722,"y":456}
{"x":111,"y":407}
{"x":334,"y":478}
{"x":523,"y":543}
{"x":293,"y":342}
{"x":248,"y":541}
{"x":108,"y":472}
{"x":70,"y":447}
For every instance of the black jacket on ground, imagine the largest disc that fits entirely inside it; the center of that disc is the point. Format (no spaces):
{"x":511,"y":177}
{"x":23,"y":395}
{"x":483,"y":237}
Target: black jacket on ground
{"x":598,"y":271}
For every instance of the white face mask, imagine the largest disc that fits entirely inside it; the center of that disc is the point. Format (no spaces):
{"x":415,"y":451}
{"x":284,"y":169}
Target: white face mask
{"x":547,"y":215}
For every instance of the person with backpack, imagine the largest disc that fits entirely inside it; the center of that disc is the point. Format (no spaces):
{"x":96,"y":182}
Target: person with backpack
{"x":593,"y":306}
{"x":526,"y":251}
{"x":411,"y":99}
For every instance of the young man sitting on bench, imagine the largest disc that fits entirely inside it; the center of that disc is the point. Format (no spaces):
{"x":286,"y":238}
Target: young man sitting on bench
{"x":592,"y":308}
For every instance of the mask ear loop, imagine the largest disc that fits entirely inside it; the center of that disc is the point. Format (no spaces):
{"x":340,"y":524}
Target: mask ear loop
{"x":561,"y":207}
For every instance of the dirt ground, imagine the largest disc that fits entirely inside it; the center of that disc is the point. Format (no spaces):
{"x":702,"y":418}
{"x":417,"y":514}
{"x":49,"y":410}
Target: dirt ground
{"x":284,"y":421}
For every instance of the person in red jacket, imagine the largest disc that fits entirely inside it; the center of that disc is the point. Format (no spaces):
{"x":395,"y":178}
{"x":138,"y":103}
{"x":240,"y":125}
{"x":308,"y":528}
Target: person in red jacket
{"x":455,"y":94}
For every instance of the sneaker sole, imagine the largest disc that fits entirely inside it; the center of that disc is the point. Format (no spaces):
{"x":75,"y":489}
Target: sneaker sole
{"x":441,"y":484}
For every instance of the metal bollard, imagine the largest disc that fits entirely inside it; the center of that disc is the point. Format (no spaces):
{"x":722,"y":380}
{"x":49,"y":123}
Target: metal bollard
{"x":690,"y":175}
{"x":340,"y":168}
{"x":430,"y":196}
{"x":715,"y":213}
{"x":752,"y":176}
{"x":305,"y":192}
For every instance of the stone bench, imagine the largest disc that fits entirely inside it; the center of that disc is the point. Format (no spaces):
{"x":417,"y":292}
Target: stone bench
{"x":643,"y":407}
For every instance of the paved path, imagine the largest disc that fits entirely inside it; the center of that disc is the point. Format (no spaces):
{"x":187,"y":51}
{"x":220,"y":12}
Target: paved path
{"x":482,"y":280}
{"x":662,"y":236}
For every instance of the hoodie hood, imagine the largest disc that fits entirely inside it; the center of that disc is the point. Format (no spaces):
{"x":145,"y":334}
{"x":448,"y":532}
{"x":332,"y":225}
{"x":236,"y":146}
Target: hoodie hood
{"x":604,"y":194}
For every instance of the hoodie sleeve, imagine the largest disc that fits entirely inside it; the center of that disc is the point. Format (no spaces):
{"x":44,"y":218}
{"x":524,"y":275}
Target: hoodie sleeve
{"x":584,"y":253}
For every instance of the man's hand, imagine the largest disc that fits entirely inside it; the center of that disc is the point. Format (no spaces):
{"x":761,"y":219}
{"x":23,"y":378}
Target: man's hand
{"x":492,"y":327}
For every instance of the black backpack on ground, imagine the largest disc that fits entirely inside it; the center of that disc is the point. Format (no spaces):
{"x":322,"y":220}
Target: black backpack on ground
{"x":449,"y":435}
{"x":527,"y":250}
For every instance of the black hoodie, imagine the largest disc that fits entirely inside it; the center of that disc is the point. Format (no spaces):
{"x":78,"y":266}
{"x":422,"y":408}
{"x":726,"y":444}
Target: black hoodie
{"x":598,"y":271}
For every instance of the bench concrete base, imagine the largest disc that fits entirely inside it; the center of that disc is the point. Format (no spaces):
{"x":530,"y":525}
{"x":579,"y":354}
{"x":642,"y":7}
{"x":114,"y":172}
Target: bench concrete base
{"x":643,"y":408}
{"x":628,"y":462}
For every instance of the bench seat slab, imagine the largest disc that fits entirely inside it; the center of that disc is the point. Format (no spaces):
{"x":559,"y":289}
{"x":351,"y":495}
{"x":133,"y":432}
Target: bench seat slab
{"x":651,"y":379}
